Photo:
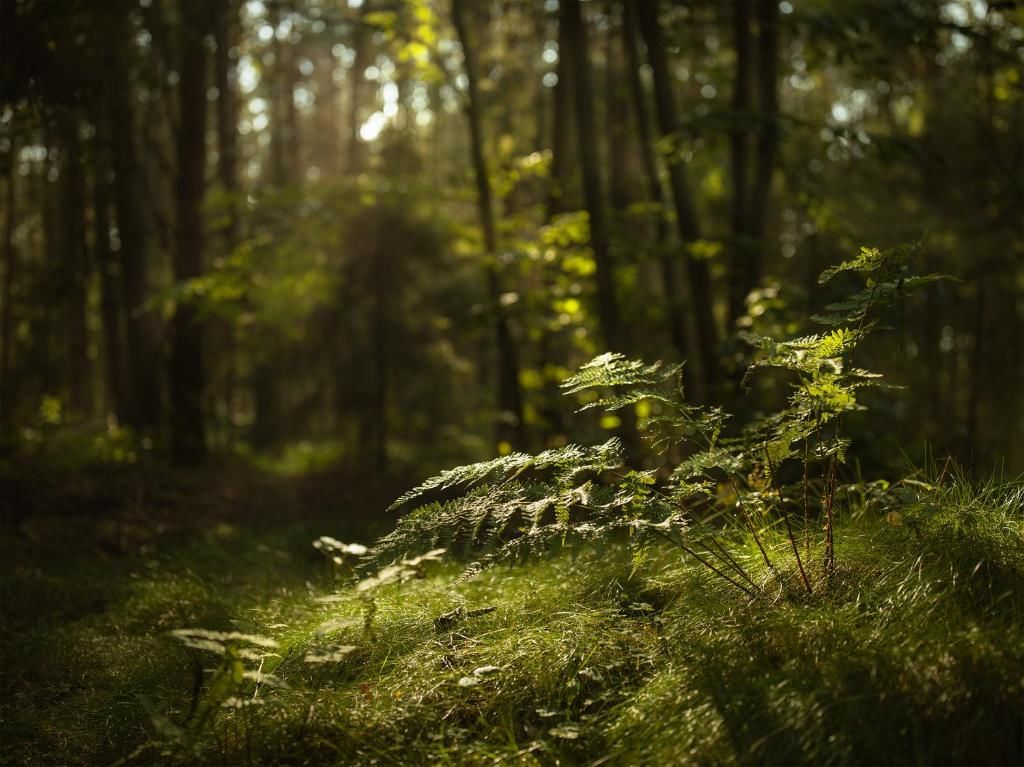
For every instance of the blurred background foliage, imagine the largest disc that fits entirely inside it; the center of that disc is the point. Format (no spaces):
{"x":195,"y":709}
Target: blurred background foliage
{"x":380,"y":233}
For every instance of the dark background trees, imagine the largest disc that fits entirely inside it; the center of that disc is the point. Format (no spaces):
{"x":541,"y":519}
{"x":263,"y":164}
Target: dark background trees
{"x":386,"y":230}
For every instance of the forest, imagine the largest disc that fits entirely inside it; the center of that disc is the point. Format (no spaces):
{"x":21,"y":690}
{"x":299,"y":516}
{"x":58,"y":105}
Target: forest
{"x":521,"y":382}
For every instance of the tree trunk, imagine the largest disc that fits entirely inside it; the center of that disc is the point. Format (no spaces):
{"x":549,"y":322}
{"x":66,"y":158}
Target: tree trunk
{"x":327,"y":119}
{"x":359,"y":46}
{"x":562,"y":129}
{"x":510,"y":402}
{"x":110,"y":296}
{"x":675,"y":308}
{"x":593,"y":186}
{"x":740,"y":254}
{"x":225,"y":74}
{"x":616,"y":120}
{"x":278,"y":129}
{"x":767,"y":138}
{"x":381,"y":351}
{"x":10,"y":262}
{"x":696,"y":282}
{"x":188,"y":439}
{"x":143,"y":396}
{"x":227,"y":116}
{"x":75,"y":269}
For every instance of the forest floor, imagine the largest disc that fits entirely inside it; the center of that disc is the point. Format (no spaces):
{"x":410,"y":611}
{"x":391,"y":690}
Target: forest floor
{"x":913,"y":653}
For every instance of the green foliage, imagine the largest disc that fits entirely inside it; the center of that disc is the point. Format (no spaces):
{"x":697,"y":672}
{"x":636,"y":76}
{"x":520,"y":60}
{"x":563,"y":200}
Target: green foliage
{"x":515,"y":505}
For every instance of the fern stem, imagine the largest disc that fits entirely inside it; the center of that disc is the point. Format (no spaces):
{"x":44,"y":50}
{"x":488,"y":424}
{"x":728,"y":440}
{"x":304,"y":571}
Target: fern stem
{"x":752,"y":527}
{"x":703,"y":561}
{"x":729,"y":558}
{"x":789,"y":528}
{"x":807,"y":510}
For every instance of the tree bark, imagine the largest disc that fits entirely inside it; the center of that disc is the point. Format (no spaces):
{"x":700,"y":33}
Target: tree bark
{"x":227,"y":115}
{"x":740,"y":254}
{"x":674,"y":305}
{"x":278,"y":127}
{"x":226,"y":80}
{"x":110,"y":296}
{"x":593,"y":185}
{"x":359,"y":46}
{"x":696,"y":279}
{"x":511,"y":428}
{"x":616,"y":119}
{"x":188,"y":439}
{"x":143,"y":405}
{"x":562,"y":129}
{"x":767,"y":138}
{"x":10,"y":261}
{"x":75,"y":269}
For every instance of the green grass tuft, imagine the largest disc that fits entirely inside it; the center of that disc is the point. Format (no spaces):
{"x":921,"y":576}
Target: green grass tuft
{"x":913,"y":653}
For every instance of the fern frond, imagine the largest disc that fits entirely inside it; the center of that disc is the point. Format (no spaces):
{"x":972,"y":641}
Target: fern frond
{"x":613,"y":369}
{"x":568,"y":462}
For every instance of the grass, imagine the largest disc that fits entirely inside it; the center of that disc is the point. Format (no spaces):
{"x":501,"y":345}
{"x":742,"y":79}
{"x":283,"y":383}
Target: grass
{"x":914,"y":654}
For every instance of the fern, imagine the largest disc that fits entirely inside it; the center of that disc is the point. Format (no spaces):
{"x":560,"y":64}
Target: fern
{"x":519,"y":505}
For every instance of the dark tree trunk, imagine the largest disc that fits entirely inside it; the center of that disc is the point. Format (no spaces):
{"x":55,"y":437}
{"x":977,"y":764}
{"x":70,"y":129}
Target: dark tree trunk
{"x":593,"y":186}
{"x":277,"y":84}
{"x":360,"y":45}
{"x":227,"y":115}
{"x":188,"y":439}
{"x":143,"y":366}
{"x":381,"y":347}
{"x":510,"y":427}
{"x":10,"y":263}
{"x":617,"y":120}
{"x":696,"y":280}
{"x":740,"y":254}
{"x":562,"y":129}
{"x":767,"y":138}
{"x":675,"y":308}
{"x":327,"y":118}
{"x":225,"y":35}
{"x":75,"y":269}
{"x":110,"y":296}
{"x":293,"y":138}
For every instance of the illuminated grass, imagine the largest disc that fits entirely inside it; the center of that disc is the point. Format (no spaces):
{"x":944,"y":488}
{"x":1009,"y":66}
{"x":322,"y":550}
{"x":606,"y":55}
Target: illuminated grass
{"x":914,"y":654}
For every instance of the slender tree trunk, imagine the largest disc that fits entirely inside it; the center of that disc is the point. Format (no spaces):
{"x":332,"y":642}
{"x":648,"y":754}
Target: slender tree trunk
{"x":293,"y":138}
{"x":76,"y":271}
{"x":10,"y":262}
{"x":511,"y":427}
{"x":767,"y":138}
{"x":143,"y":406}
{"x":188,"y":439}
{"x":616,"y":119}
{"x":559,"y":182}
{"x":360,"y":45}
{"x":675,"y":309}
{"x":327,"y":118}
{"x":562,"y":129}
{"x":740,"y":254}
{"x":381,"y":348}
{"x":49,"y":357}
{"x":696,"y":279}
{"x":227,"y":115}
{"x":110,"y":296}
{"x":593,"y":186}
{"x":225,"y":35}
{"x":278,"y":128}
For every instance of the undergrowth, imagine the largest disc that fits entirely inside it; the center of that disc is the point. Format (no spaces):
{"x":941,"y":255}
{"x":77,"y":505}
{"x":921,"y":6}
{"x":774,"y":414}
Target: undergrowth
{"x":731,"y":601}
